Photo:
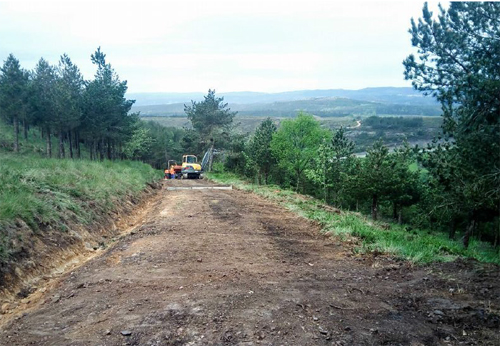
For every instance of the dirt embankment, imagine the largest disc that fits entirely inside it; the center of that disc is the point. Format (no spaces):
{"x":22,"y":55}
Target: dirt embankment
{"x":212,"y":267}
{"x":40,"y":255}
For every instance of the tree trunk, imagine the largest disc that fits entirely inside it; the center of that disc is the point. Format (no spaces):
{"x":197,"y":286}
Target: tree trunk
{"x":298,"y":181}
{"x":497,"y":233}
{"x":25,"y":126}
{"x":16,"y":134}
{"x":468,"y":233}
{"x":325,"y":190}
{"x":394,"y":211}
{"x":453,"y":229}
{"x":77,"y":143}
{"x":109,"y":149}
{"x":48,"y":140}
{"x":70,"y":140}
{"x":400,"y":216}
{"x":100,"y":146}
{"x":61,"y":145}
{"x":374,"y":207}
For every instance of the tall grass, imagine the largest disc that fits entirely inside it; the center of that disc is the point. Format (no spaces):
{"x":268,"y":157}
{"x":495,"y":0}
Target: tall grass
{"x":418,"y":246}
{"x":41,"y":191}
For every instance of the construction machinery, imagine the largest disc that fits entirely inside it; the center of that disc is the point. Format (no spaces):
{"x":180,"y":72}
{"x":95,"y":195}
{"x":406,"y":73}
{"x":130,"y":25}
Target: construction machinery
{"x":173,"y":170}
{"x":190,"y":168}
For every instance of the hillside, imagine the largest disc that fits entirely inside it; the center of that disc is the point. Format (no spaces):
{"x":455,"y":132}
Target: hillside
{"x":323,"y":107}
{"x":405,"y":96}
{"x":51,"y":208}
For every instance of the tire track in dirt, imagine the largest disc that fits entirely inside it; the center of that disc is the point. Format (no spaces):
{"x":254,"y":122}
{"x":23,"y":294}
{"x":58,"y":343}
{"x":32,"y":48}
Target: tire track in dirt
{"x":212,"y":267}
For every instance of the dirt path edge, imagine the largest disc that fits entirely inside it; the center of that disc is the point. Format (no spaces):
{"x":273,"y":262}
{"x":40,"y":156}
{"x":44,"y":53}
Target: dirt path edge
{"x":25,"y":279}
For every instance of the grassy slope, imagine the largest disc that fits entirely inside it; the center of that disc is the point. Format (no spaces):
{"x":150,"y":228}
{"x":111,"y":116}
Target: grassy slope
{"x":41,"y":191}
{"x":417,"y":245}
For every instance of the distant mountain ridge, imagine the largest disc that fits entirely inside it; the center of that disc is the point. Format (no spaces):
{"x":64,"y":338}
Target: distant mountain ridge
{"x":322,"y":107}
{"x":388,"y":95}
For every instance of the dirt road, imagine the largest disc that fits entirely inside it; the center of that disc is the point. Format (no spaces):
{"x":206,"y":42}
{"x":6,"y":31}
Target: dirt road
{"x":212,"y":267}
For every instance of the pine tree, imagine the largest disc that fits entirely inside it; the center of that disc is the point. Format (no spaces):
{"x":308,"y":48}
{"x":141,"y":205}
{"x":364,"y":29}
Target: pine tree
{"x":211,"y":118}
{"x":68,"y":101}
{"x":13,"y":92}
{"x":459,"y":63}
{"x":260,"y":148}
{"x":376,"y":176}
{"x":44,"y":99}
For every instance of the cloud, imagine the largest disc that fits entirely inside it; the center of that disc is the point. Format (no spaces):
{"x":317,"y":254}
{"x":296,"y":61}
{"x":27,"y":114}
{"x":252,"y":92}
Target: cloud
{"x":174,"y":45}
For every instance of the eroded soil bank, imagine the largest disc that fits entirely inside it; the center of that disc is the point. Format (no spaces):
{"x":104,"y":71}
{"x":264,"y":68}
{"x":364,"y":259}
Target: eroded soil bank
{"x":213,"y":267}
{"x":42,"y":255}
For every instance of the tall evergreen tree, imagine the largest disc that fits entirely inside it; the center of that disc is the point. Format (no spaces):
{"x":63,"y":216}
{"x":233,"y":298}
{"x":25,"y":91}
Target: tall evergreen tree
{"x":403,"y":181}
{"x":260,"y":148}
{"x":68,"y":102}
{"x":459,"y":63}
{"x":13,"y":91}
{"x":44,"y":99}
{"x":105,"y":110}
{"x":211,"y":118}
{"x":375,"y":176}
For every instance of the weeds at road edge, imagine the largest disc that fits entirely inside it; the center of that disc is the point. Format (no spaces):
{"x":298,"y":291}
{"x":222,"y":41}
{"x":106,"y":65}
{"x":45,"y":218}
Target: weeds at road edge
{"x":417,"y":246}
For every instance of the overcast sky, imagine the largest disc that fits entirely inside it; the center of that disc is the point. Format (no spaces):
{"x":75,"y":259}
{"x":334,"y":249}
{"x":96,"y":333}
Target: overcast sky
{"x":233,"y":45}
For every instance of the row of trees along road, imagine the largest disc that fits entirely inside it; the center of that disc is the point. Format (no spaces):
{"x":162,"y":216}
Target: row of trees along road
{"x":59,"y":102}
{"x":456,"y":185}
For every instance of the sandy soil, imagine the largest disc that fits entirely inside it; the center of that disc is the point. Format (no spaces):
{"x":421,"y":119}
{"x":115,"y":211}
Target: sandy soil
{"x":213,"y":267}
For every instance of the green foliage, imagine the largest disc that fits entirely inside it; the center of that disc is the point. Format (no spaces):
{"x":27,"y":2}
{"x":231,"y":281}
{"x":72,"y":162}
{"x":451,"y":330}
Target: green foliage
{"x":458,"y":63}
{"x":374,"y":179}
{"x":45,"y":192}
{"x":105,"y":110}
{"x":418,"y":246}
{"x":69,"y":90}
{"x":295,"y":143}
{"x":165,"y":144}
{"x":139,"y":144}
{"x":13,"y":84}
{"x":13,"y":95}
{"x":55,"y":102}
{"x":393,"y":123}
{"x":330,"y":165}
{"x":260,"y":149}
{"x":404,"y":180}
{"x":210,"y":118}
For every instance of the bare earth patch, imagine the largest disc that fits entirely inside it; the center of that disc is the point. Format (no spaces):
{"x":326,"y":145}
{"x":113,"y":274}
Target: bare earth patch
{"x":228,"y":267}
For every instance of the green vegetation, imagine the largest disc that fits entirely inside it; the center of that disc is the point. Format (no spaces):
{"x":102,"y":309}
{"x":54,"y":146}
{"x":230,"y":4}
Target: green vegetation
{"x":416,"y":245}
{"x":82,"y":119}
{"x":394,"y":131}
{"x":45,"y":192}
{"x":458,"y":63}
{"x":451,"y":185}
{"x":321,"y":107}
{"x":295,"y":144}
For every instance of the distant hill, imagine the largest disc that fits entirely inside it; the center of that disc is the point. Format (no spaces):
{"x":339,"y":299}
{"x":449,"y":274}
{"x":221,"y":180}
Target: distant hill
{"x":391,"y":95}
{"x":322,"y":107}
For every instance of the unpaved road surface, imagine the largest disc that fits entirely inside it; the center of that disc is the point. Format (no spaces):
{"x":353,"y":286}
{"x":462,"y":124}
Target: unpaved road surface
{"x":211,"y":267}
